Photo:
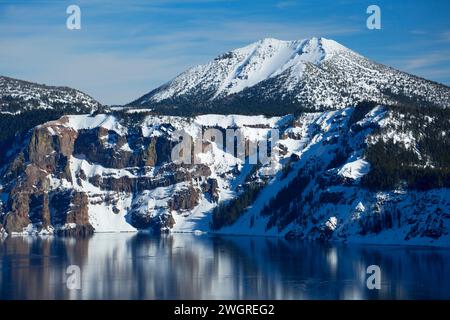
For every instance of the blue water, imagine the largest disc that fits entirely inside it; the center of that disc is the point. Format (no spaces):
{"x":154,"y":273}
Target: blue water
{"x":183,"y":266}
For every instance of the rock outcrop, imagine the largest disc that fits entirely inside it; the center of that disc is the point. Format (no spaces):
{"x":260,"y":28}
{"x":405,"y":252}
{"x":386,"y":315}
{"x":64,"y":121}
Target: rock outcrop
{"x":62,"y":170}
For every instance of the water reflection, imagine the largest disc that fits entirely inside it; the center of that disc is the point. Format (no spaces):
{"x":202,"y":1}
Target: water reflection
{"x":136,"y":266}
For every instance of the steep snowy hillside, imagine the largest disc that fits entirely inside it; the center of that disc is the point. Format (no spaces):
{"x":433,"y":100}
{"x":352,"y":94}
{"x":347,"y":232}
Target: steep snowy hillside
{"x":17,"y":96}
{"x":277,"y":77}
{"x":330,"y":178}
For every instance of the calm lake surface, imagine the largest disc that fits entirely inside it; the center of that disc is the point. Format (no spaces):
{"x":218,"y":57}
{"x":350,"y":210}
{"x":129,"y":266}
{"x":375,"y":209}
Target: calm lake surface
{"x":184,"y":266}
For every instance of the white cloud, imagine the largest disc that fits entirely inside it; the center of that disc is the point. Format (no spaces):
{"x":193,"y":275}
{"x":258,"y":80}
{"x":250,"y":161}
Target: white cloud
{"x":433,"y":65}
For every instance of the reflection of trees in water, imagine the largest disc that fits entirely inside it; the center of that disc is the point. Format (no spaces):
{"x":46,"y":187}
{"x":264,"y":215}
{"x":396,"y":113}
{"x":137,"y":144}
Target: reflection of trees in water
{"x":412,"y":272}
{"x":277,"y":268}
{"x":301,"y":269}
{"x":136,"y":266}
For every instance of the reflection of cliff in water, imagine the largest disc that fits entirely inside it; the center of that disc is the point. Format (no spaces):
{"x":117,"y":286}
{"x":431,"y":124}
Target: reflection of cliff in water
{"x":34,"y":267}
{"x":137,"y":266}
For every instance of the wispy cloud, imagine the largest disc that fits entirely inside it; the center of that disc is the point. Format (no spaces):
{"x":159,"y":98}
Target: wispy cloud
{"x":117,"y":63}
{"x":124,"y":51}
{"x":418,"y":32}
{"x":427,"y":60}
{"x":433,"y":66}
{"x":445,"y":36}
{"x":286,"y":4}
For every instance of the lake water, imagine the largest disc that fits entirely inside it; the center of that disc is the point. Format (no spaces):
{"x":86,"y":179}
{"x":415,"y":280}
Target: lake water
{"x":185,"y":266}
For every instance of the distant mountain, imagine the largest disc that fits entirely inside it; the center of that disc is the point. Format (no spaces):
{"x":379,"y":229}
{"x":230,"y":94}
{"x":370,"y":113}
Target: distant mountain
{"x":350,"y":171}
{"x":17,"y":96}
{"x":277,"y":77}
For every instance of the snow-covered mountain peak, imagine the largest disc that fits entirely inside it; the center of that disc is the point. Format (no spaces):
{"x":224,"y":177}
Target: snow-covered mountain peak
{"x":312,"y":49}
{"x":330,"y":47}
{"x":313,"y":73}
{"x":245,"y":67}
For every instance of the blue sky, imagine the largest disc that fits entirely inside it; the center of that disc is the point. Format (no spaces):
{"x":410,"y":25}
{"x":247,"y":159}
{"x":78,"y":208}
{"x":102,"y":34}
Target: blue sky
{"x":126,"y":48}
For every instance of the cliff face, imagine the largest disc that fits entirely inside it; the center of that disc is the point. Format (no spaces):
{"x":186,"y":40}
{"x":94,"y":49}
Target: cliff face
{"x":63,"y":171}
{"x":32,"y":203}
{"x":364,"y":174}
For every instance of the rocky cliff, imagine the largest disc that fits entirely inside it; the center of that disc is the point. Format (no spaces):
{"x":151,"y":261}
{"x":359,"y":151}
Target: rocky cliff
{"x":364,"y":174}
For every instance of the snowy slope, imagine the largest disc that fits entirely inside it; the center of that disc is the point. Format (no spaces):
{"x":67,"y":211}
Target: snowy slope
{"x":124,"y":192}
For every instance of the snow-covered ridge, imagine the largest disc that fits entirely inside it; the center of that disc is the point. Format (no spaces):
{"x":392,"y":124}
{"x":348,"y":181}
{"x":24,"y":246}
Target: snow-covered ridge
{"x":153,"y":125}
{"x":17,"y":96}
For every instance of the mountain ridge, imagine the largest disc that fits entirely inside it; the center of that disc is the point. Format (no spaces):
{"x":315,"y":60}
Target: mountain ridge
{"x":17,"y":96}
